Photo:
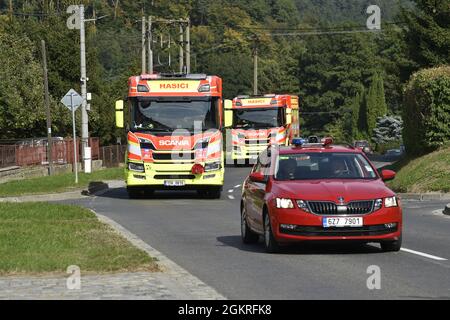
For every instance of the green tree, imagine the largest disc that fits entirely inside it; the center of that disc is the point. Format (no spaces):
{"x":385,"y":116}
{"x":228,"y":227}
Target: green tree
{"x":428,"y":32}
{"x":376,"y":102}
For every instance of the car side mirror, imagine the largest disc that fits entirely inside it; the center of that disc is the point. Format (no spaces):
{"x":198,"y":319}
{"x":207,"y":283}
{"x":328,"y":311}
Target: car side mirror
{"x":258,"y":177}
{"x":387,"y":175}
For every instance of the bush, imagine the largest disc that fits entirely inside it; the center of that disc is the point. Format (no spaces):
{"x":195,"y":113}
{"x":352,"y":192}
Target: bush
{"x":426,"y":110}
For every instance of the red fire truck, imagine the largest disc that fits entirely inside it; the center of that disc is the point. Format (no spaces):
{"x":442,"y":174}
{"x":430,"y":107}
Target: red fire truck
{"x":174,"y":127}
{"x":258,"y":121}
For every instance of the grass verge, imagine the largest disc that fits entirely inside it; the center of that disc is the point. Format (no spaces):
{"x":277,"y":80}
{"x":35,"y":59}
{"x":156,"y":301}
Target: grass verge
{"x":57,"y":183}
{"x":47,"y":238}
{"x":429,"y":173}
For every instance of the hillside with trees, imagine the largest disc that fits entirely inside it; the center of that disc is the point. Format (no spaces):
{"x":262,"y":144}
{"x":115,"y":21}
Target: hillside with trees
{"x":345,"y":81}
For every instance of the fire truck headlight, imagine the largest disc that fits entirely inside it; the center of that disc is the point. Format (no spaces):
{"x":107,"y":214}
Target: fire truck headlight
{"x":204,"y":88}
{"x":138,"y":167}
{"x":213,"y":166}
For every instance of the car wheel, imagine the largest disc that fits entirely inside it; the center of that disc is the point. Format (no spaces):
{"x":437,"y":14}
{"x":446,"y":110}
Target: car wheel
{"x":248,"y":236}
{"x":270,"y":243}
{"x":391,"y":246}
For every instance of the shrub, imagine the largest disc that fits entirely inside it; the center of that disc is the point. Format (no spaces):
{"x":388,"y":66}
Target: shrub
{"x":426,"y":110}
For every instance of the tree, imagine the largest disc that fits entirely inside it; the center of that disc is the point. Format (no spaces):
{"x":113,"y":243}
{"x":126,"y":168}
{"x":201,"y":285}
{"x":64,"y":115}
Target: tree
{"x":376,"y":102}
{"x":21,"y":88}
{"x":428,"y":32}
{"x":388,"y":129}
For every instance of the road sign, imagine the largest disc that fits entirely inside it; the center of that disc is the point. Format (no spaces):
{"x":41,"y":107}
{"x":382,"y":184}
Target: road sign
{"x":72,"y":98}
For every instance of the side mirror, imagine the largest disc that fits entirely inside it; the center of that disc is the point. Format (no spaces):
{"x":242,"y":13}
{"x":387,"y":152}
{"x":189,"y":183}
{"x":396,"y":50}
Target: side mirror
{"x":387,"y":175}
{"x":257,"y":177}
{"x":228,"y":114}
{"x":119,"y":114}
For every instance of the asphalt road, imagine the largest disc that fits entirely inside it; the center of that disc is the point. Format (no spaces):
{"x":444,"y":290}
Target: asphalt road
{"x":203,"y":236}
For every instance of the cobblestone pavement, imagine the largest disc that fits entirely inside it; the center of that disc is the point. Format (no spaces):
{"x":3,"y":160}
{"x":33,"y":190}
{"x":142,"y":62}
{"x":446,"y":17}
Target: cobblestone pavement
{"x":173,"y":283}
{"x":143,"y":285}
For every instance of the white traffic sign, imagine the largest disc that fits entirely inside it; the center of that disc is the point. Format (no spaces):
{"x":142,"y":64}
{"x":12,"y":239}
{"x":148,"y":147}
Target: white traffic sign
{"x":73,"y":22}
{"x":72,"y":98}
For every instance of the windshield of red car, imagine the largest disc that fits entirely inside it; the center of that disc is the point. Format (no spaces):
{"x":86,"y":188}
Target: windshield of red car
{"x":313,"y":166}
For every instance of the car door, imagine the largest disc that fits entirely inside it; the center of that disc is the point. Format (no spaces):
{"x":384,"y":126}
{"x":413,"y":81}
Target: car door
{"x":258,"y":192}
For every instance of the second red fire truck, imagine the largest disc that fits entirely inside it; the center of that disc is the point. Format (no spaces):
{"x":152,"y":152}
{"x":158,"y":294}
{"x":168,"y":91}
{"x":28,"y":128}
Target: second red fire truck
{"x":259,"y":121}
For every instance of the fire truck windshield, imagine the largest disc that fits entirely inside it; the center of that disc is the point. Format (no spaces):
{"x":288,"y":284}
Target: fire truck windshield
{"x":259,"y":118}
{"x":166,"y":116}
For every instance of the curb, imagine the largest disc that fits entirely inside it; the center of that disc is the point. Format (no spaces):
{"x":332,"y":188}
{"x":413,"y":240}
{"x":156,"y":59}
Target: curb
{"x":447,"y":209}
{"x":95,"y":189}
{"x":193,"y":285}
{"x":424,"y":196}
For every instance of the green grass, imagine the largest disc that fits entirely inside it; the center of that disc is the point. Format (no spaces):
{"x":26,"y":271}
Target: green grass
{"x":429,"y":173}
{"x":57,"y":183}
{"x":47,"y":238}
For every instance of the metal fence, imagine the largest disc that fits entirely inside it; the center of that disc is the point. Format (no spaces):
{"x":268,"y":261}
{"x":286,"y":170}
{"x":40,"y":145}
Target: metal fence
{"x":34,"y":152}
{"x":112,"y":156}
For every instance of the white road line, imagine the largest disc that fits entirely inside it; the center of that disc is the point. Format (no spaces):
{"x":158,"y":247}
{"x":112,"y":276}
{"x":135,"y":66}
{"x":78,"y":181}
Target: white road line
{"x":426,"y":255}
{"x":231,"y":197}
{"x":237,"y":186}
{"x":231,"y":190}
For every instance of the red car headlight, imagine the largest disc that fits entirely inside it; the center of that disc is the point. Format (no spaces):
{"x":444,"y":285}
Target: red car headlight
{"x":282,"y":203}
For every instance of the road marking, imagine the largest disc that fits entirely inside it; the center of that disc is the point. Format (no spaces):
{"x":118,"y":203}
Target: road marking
{"x":237,"y":186}
{"x":231,"y":197}
{"x":426,"y":255}
{"x":231,"y":190}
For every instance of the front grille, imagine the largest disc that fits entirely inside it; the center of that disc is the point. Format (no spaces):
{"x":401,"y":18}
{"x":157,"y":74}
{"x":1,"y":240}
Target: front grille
{"x":318,"y":231}
{"x":174,"y":156}
{"x":330,"y":208}
{"x":252,"y":142}
{"x":174,"y":176}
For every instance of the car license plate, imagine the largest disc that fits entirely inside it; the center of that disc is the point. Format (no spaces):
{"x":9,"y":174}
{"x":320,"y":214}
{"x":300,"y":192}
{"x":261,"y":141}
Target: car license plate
{"x":174,"y":183}
{"x":340,"y":222}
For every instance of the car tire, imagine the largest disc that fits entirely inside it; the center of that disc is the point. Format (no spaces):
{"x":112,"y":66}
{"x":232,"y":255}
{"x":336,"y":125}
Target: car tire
{"x":270,"y":243}
{"x":248,"y":235}
{"x":391,"y":246}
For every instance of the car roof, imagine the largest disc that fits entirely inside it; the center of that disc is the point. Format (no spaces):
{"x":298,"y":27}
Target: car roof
{"x":317,"y":149}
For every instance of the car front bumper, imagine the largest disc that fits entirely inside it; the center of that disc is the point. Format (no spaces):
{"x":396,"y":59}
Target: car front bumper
{"x":309,"y":227}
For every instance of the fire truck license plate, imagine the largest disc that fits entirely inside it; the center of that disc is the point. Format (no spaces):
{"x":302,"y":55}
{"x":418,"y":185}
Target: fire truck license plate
{"x":174,"y":183}
{"x":340,"y":222}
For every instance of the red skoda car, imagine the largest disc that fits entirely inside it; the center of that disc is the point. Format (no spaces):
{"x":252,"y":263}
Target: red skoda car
{"x":319,"y":192}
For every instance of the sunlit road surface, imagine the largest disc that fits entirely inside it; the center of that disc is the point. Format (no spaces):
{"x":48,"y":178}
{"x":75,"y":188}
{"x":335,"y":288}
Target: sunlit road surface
{"x":203,"y":236}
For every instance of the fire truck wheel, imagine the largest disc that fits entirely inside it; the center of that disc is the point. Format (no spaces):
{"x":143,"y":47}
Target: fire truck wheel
{"x":135,"y":193}
{"x":210,"y":193}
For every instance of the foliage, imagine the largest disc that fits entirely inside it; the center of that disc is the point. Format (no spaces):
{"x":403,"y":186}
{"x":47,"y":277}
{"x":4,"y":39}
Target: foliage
{"x":426,"y":110}
{"x":388,"y":129}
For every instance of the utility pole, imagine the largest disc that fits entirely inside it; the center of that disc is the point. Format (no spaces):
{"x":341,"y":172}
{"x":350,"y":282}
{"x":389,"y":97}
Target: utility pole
{"x":255,"y":69}
{"x":188,"y":46}
{"x":150,"y":44}
{"x":181,"y":48}
{"x":47,"y":106}
{"x":144,"y":61}
{"x":11,"y":11}
{"x":84,"y":79}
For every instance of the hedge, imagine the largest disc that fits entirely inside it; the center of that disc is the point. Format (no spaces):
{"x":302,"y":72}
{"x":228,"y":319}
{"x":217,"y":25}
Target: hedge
{"x":426,"y":110}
